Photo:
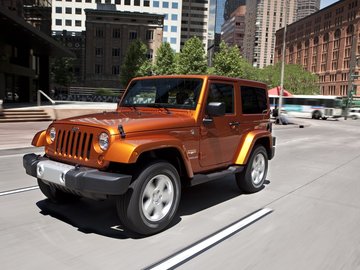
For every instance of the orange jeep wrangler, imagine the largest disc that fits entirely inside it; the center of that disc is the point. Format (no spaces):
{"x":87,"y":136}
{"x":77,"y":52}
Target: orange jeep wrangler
{"x":167,"y":132}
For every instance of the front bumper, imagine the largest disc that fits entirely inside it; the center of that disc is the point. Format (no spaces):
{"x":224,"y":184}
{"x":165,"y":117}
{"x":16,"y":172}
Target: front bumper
{"x":74,"y":178}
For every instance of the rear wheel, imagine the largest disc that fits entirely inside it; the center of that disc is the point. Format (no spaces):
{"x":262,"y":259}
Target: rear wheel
{"x":317,"y":115}
{"x":152,"y":200}
{"x":253,"y":177}
{"x":56,"y":195}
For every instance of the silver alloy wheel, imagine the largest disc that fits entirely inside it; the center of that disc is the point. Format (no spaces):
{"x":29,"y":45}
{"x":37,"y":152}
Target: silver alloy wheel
{"x":157,"y":197}
{"x":258,"y":169}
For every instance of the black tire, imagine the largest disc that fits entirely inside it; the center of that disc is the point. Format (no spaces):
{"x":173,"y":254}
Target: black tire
{"x":324,"y":118}
{"x":316,"y":115}
{"x":252,"y":178}
{"x":152,"y":200}
{"x":56,"y":195}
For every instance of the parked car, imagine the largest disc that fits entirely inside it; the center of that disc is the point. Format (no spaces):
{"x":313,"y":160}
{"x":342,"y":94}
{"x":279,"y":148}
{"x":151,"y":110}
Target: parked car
{"x":354,"y":113}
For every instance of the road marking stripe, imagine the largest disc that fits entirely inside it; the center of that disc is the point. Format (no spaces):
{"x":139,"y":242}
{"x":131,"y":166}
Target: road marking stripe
{"x":20,"y":155}
{"x":18,"y":190}
{"x":202,"y":245}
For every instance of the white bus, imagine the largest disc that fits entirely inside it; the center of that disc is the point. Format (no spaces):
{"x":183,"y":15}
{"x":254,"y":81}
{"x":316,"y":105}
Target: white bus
{"x":313,"y":106}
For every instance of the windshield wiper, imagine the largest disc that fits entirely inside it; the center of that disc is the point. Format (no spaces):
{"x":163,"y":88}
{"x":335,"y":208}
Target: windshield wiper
{"x":160,"y":106}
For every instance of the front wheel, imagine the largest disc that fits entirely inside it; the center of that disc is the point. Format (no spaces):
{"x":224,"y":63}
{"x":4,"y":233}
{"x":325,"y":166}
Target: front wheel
{"x":253,"y":177}
{"x":152,"y":200}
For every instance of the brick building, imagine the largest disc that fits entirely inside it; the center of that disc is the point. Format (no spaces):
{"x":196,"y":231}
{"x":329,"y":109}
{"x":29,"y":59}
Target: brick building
{"x":108,"y":36}
{"x":323,"y":44}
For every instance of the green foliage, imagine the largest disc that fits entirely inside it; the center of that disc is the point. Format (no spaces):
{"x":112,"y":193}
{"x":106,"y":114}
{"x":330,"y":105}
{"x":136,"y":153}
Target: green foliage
{"x":165,"y":60}
{"x":133,"y":61}
{"x":192,"y":58}
{"x":61,"y":70}
{"x":229,"y":62}
{"x":104,"y":92}
{"x":297,"y":80}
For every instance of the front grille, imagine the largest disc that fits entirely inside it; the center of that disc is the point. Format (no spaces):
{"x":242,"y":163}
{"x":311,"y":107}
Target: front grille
{"x":75,"y":144}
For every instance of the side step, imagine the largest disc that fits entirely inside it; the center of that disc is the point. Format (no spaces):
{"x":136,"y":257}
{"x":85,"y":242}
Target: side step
{"x":203,"y":178}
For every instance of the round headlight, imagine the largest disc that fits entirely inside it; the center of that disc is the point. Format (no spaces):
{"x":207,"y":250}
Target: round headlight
{"x":104,"y":141}
{"x":52,"y":134}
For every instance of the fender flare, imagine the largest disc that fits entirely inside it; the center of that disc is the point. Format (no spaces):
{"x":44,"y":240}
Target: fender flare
{"x":247,"y":144}
{"x":39,"y":139}
{"x":129,"y":150}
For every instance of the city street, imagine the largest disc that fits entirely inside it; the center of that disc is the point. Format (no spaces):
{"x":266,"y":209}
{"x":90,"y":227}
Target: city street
{"x":312,"y":190}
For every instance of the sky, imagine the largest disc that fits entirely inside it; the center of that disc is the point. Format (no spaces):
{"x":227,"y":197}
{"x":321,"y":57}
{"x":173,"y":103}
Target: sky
{"x":325,"y":3}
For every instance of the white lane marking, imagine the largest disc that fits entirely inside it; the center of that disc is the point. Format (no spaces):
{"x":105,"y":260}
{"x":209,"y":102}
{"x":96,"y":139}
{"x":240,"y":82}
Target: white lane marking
{"x":20,"y":155}
{"x":209,"y":242}
{"x":18,"y":190}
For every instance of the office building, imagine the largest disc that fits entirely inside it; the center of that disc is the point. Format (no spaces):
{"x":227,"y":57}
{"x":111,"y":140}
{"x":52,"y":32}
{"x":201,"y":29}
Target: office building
{"x":262,"y":20}
{"x":325,"y":43}
{"x":306,"y":7}
{"x":195,"y":21}
{"x":233,"y":30}
{"x":109,"y":34}
{"x":69,"y":15}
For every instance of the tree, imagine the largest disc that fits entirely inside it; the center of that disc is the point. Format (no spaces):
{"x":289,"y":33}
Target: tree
{"x":229,"y":62}
{"x":133,"y":62}
{"x":165,"y":60}
{"x":192,"y":58}
{"x":296,"y":79}
{"x":62,"y":71}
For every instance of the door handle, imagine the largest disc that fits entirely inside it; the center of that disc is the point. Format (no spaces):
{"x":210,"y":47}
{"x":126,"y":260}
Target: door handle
{"x":234,"y":124}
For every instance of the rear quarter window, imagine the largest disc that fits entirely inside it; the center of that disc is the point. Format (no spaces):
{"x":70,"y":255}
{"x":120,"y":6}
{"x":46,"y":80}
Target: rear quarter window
{"x":253,"y":100}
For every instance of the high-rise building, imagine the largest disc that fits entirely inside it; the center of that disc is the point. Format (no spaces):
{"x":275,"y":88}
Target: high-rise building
{"x":233,"y":30}
{"x":195,"y":21}
{"x":69,"y":15}
{"x":326,"y":43}
{"x":231,"y":6}
{"x":262,"y":20}
{"x":306,"y":7}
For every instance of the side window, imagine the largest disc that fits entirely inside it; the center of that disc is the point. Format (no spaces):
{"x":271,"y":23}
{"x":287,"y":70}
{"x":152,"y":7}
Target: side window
{"x":253,"y":100}
{"x":221,"y":92}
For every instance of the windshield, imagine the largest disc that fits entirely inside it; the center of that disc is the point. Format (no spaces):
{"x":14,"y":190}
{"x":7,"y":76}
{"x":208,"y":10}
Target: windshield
{"x":163,"y":92}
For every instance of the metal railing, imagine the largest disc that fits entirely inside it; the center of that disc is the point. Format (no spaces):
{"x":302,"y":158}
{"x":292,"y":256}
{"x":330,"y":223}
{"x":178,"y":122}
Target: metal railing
{"x":39,"y":93}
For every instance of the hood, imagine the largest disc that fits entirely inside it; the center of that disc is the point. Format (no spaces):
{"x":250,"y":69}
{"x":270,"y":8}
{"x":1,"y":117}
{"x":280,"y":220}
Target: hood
{"x":132,"y":121}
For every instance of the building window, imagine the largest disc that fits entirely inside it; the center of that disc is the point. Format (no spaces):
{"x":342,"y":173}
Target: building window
{"x":99,"y":32}
{"x":156,"y":4}
{"x":98,"y":69}
{"x":79,"y":1}
{"x":116,"y":32}
{"x":77,"y":23}
{"x":165,"y":5}
{"x":116,"y":70}
{"x":77,"y":10}
{"x":173,"y":40}
{"x":165,"y":28}
{"x":58,"y":10}
{"x":174,"y":17}
{"x":68,"y":22}
{"x":132,"y":35}
{"x":137,"y":3}
{"x":174,"y":29}
{"x":58,"y":22}
{"x":68,"y":10}
{"x":117,"y":2}
{"x":127,"y":2}
{"x":116,"y":52}
{"x":149,"y":34}
{"x":99,"y":51}
{"x":149,"y":54}
{"x":146,"y":3}
{"x":175,"y":5}
{"x":87,"y":1}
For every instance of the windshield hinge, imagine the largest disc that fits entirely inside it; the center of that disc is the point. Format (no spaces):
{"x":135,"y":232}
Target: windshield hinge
{"x":122,"y":132}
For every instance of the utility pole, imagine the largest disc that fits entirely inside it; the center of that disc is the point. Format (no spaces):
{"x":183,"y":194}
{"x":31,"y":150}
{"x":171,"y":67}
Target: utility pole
{"x":354,"y":62}
{"x":283,"y":64}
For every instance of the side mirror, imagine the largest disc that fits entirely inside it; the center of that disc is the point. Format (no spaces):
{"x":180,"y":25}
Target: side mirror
{"x":215,"y":109}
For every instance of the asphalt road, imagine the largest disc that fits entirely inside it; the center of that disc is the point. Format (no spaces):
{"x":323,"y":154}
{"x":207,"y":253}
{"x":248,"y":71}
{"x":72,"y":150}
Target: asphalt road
{"x":313,"y":191}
